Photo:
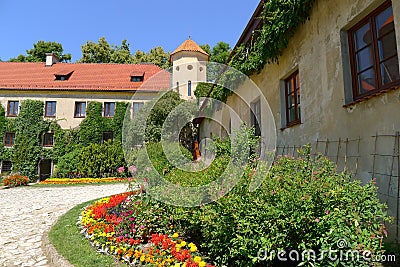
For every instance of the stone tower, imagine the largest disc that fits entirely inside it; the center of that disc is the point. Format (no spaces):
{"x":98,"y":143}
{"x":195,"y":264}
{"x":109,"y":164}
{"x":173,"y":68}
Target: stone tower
{"x":189,"y":68}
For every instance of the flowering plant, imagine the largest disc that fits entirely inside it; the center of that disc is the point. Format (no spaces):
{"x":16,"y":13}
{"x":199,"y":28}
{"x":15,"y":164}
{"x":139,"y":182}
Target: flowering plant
{"x":116,"y":225}
{"x":84,"y":180}
{"x":14,"y":180}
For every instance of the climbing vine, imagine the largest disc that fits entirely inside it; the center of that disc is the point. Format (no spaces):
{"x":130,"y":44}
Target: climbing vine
{"x":92,"y":127}
{"x":30,"y":126}
{"x":280,"y":20}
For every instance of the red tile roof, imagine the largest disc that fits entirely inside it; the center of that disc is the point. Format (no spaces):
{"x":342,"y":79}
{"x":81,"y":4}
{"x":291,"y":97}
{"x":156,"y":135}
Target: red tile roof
{"x":189,"y":45}
{"x":91,"y":77}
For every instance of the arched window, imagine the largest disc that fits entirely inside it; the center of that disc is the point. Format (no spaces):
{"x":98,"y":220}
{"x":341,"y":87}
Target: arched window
{"x":189,"y":88}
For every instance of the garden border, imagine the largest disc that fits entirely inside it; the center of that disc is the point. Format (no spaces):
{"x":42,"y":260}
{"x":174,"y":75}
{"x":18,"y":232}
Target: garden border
{"x":52,"y":256}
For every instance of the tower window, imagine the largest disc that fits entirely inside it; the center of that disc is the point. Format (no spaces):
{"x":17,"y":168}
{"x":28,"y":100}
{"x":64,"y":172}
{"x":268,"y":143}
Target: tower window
{"x":189,"y":88}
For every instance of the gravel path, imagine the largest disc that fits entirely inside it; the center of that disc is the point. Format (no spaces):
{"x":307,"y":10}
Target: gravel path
{"x":27,"y":212}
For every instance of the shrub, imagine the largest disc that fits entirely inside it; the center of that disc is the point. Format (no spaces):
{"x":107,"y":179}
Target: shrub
{"x":100,"y":160}
{"x":303,"y":204}
{"x":155,"y":153}
{"x":198,"y":178}
{"x":67,"y":165}
{"x":14,"y":180}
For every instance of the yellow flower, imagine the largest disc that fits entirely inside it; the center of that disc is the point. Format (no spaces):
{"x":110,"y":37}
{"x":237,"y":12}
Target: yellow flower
{"x":177,"y":265}
{"x":183,"y":243}
{"x":175,"y":235}
{"x":202,"y":264}
{"x":193,"y":248}
{"x":197,"y":259}
{"x":142,"y":258}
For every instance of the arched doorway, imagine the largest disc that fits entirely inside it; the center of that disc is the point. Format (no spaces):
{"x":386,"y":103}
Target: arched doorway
{"x":45,"y":169}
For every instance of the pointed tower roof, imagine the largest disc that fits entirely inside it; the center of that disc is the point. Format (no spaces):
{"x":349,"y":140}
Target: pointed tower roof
{"x":189,"y":45}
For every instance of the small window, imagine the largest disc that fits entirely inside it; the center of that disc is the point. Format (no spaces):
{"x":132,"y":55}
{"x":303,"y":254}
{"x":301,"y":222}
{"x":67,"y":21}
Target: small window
{"x":9,"y":139}
{"x":189,"y":88}
{"x":109,"y":109}
{"x":63,"y":75}
{"x":292,"y":99}
{"x":50,"y":109}
{"x":136,"y":107}
{"x":48,"y":139}
{"x":136,"y":78}
{"x":107,"y":136}
{"x":255,"y":117}
{"x":373,"y":53}
{"x":6,"y":166}
{"x":12,"y":108}
{"x":80,"y":109}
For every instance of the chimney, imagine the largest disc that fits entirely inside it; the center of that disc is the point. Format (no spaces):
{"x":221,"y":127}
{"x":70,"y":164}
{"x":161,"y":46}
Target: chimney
{"x":51,"y":59}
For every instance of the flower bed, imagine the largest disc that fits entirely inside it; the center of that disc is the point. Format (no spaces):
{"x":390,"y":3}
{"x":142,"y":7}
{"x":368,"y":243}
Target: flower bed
{"x":117,"y":225}
{"x":14,"y":180}
{"x":85,"y":180}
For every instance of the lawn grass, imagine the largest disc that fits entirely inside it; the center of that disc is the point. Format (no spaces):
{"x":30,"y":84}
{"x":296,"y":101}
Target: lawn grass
{"x":65,"y":236}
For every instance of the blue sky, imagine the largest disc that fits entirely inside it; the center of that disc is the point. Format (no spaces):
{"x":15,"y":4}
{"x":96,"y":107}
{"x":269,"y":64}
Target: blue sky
{"x":145,"y":24}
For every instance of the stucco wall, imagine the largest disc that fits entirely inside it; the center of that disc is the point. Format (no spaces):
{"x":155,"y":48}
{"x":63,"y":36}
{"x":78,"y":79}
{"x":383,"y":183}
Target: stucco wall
{"x":65,"y":106}
{"x":188,"y":66}
{"x":319,"y":51}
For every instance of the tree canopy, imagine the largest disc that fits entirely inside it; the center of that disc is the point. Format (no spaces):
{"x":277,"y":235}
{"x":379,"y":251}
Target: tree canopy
{"x":156,"y":56}
{"x":103,"y":52}
{"x":219,"y":53}
{"x":39,"y":50}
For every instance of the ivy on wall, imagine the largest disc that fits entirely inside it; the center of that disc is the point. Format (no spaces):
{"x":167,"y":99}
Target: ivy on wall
{"x":280,"y":20}
{"x":30,"y":126}
{"x":92,"y":127}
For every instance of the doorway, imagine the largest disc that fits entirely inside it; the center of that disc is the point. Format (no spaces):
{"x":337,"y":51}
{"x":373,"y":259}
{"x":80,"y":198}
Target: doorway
{"x":45,"y":169}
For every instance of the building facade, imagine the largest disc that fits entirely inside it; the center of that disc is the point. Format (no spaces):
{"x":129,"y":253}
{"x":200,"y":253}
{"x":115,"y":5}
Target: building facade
{"x":66,"y":90}
{"x":336,"y":87}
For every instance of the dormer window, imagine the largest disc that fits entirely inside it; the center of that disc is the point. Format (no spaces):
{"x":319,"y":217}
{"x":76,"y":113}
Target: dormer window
{"x":63,"y":75}
{"x":137,"y":76}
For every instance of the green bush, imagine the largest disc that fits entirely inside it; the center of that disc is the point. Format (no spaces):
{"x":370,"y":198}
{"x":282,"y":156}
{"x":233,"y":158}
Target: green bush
{"x":67,"y":165}
{"x":303,"y":204}
{"x":100,"y":160}
{"x":198,"y":177}
{"x":155,"y":153}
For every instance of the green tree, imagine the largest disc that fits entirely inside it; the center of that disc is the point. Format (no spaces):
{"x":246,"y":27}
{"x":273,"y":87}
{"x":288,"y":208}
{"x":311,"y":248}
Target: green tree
{"x":121,"y":54}
{"x":99,"y":52}
{"x":39,"y":50}
{"x":156,"y":56}
{"x":206,"y":48}
{"x":220,"y":52}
